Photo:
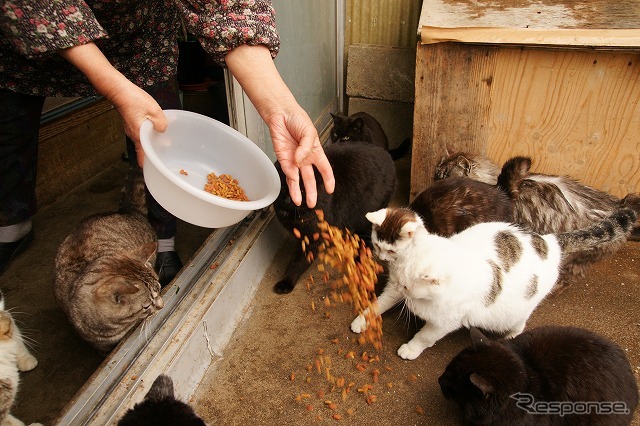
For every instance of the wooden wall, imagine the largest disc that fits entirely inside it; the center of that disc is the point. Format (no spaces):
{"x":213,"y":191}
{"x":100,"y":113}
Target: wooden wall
{"x":576,"y":112}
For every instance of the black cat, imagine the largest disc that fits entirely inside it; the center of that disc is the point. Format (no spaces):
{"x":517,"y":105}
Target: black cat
{"x":365,"y":181}
{"x":161,"y":408}
{"x":546,"y":376}
{"x":361,"y":126}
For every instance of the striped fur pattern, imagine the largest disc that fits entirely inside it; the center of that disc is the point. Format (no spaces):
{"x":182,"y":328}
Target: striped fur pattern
{"x":492,"y":275}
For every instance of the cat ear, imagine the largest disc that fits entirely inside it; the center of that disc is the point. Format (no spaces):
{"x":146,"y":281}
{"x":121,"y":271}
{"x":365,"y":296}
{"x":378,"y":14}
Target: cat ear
{"x":478,"y":340}
{"x":377,"y":217}
{"x":464,"y":163}
{"x":408,"y":229}
{"x":481,"y":383}
{"x":148,"y":251}
{"x":358,"y":124}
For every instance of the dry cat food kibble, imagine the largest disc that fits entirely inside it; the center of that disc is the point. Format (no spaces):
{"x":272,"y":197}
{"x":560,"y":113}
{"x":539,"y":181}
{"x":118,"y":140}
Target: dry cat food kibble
{"x":225,"y":186}
{"x":347,"y":253}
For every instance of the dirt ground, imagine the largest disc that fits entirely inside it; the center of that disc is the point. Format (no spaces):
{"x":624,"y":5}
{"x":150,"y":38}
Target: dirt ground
{"x":268,"y":373}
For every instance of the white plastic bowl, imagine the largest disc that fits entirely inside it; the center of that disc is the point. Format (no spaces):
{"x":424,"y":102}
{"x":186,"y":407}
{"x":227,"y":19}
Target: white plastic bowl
{"x":200,"y":145}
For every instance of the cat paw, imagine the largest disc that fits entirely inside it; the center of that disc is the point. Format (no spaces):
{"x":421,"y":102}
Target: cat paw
{"x":407,"y":352}
{"x":283,"y":287}
{"x":359,"y":324}
{"x":27,"y":362}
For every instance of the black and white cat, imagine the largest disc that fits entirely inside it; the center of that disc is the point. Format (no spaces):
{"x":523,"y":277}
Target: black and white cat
{"x":492,"y":275}
{"x":545,"y":376}
{"x":365,"y":180}
{"x":364,"y":127}
{"x":161,"y":407}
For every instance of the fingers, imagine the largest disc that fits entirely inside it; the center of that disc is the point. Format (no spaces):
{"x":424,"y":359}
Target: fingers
{"x":160,"y":124}
{"x":294,"y":191}
{"x":309,"y":181}
{"x":324,"y":167}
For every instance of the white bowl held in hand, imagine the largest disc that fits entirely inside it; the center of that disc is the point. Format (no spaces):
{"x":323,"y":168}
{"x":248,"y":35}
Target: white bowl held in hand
{"x":198,"y":145}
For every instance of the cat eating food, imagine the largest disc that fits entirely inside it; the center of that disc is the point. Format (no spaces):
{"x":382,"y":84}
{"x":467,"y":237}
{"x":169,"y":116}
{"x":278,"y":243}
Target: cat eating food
{"x":14,"y":357}
{"x":491,"y":275}
{"x":104,"y":276}
{"x":527,"y":380}
{"x":365,"y":180}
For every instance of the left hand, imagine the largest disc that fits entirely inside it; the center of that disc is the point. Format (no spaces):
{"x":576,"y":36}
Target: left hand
{"x":298,"y":149}
{"x":294,"y":137}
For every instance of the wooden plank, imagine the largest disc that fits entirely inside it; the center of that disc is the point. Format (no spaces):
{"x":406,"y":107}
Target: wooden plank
{"x":453,"y":88}
{"x":75,"y":148}
{"x":604,"y":23}
{"x":594,"y":14}
{"x":575,"y":112}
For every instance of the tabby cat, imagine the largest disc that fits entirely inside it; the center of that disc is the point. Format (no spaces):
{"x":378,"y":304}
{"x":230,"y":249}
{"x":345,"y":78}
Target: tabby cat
{"x":14,"y":357}
{"x":365,"y":180}
{"x":491,"y":275}
{"x":473,"y":166}
{"x":160,"y":407}
{"x":514,"y":382}
{"x":451,"y":205}
{"x":364,"y":127}
{"x":104,"y":277}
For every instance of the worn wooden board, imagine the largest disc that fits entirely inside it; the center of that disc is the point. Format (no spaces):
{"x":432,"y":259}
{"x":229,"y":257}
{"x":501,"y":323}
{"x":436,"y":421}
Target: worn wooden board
{"x":575,"y":112}
{"x":597,"y":23}
{"x":77,"y":147}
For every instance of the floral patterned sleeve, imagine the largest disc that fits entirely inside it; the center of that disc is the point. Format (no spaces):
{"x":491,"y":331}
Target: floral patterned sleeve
{"x":36,"y":27}
{"x":223,"y":25}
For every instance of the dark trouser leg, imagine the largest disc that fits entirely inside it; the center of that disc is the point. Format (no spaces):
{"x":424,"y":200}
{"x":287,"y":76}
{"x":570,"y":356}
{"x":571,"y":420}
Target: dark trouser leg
{"x":167,"y":95}
{"x":19,"y":129}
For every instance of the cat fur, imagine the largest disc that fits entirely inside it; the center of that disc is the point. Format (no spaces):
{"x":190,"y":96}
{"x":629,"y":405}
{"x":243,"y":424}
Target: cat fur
{"x":365,"y":180}
{"x":364,"y":127}
{"x":14,"y":357}
{"x":491,"y":275}
{"x":546,"y":364}
{"x":161,"y":408}
{"x":104,"y":276}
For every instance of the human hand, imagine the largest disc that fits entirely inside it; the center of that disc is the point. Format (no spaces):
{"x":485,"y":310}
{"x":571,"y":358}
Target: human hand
{"x":294,"y":137}
{"x":134,"y":104}
{"x":298,"y":149}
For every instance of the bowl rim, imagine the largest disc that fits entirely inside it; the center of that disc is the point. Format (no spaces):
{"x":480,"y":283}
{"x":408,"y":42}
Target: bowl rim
{"x":146,"y":130}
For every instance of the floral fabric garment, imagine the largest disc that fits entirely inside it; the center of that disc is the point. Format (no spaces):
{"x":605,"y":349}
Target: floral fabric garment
{"x":139,"y":37}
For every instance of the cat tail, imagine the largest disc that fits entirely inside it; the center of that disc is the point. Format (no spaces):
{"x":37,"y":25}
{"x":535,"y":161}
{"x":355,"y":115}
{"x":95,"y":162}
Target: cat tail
{"x":633,"y":202}
{"x":133,"y":197}
{"x":513,"y":172}
{"x":402,"y":149}
{"x":612,"y":231}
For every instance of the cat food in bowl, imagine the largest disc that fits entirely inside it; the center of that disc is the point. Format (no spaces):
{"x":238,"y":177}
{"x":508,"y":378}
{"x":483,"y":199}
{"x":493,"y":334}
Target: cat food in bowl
{"x":178,"y":161}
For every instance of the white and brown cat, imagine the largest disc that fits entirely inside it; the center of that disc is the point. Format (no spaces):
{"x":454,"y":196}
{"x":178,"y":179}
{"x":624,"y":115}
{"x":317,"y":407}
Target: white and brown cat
{"x":492,"y":275}
{"x":14,"y":358}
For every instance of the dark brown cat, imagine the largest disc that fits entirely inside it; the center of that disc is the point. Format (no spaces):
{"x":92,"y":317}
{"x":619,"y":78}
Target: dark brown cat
{"x":361,"y":126}
{"x":452,"y":205}
{"x":104,"y":277}
{"x":365,"y":181}
{"x":546,"y":376}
